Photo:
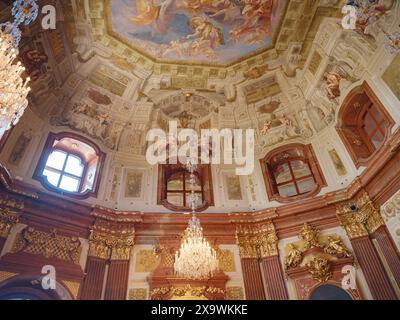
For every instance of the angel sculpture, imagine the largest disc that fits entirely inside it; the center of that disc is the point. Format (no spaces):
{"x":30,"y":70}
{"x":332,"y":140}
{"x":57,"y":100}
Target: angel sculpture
{"x":294,"y":257}
{"x":337,"y":248}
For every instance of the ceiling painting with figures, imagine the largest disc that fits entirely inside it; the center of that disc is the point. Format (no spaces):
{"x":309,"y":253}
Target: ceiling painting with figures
{"x":197,"y":30}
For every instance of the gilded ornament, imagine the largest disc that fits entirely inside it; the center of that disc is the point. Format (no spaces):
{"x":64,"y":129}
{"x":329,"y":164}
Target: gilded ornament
{"x":234,"y":293}
{"x":48,"y":244}
{"x":185,"y":291}
{"x":294,"y":257}
{"x":257,"y":241}
{"x":336,"y":247}
{"x":320,"y":269}
{"x":137,"y":294}
{"x":310,"y":236}
{"x":360,"y":218}
{"x":8,"y":219}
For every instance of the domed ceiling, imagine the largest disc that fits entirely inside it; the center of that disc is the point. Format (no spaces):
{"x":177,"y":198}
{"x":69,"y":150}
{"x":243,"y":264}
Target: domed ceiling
{"x":200,"y":31}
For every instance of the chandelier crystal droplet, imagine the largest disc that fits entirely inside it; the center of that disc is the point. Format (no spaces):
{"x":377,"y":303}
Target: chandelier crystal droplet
{"x":13,"y":88}
{"x":196,"y":259}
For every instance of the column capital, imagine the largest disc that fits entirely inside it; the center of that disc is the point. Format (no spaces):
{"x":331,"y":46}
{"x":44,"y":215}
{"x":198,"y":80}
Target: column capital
{"x":111,"y":239}
{"x":359,"y":218}
{"x":257,"y":241}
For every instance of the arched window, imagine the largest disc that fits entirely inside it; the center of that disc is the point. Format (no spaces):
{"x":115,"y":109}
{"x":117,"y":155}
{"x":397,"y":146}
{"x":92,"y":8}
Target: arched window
{"x":292,"y":172}
{"x":364,"y":124}
{"x":70,"y":165}
{"x":174,"y":188}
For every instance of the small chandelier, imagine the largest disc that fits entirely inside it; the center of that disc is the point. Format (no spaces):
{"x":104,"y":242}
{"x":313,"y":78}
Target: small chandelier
{"x":196,"y":259}
{"x":13,"y":89}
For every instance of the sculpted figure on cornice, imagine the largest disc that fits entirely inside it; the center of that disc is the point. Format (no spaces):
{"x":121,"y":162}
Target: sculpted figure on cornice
{"x":315,"y":252}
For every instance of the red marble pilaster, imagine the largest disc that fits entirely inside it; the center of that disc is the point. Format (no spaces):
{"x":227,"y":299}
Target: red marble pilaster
{"x":274,"y":279}
{"x":373,"y":269}
{"x":389,"y":250}
{"x":117,"y":280}
{"x":252,"y":277}
{"x":93,"y":283}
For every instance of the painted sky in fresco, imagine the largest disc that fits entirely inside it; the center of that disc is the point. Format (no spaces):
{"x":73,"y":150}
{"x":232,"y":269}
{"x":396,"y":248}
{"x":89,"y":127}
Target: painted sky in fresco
{"x":217,"y":31}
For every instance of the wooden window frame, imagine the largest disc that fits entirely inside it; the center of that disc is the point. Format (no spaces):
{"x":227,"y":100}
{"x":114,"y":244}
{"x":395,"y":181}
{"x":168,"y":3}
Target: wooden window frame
{"x":203,"y":173}
{"x":343,"y":125}
{"x":49,"y":148}
{"x":308,"y":157}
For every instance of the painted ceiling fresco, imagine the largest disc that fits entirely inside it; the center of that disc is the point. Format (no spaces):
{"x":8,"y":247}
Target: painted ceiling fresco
{"x":203,"y":31}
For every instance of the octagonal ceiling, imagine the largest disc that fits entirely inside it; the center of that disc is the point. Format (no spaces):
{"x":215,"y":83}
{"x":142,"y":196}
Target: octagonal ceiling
{"x":196,"y":31}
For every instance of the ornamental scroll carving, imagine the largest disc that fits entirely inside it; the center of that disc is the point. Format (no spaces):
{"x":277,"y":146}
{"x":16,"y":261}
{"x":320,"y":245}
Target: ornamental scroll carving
{"x":48,"y":245}
{"x":360,"y":218}
{"x":257,"y":241}
{"x":315,"y":253}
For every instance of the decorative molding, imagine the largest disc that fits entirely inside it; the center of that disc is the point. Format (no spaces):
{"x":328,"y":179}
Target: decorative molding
{"x":48,"y":244}
{"x":185,"y":291}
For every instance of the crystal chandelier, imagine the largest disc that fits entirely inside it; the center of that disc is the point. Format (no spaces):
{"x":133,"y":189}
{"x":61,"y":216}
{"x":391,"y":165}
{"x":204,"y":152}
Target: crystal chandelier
{"x":196,"y":259}
{"x":13,"y":89}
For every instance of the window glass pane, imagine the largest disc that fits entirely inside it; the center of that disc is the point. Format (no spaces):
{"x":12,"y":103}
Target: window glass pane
{"x":374,"y":110}
{"x":377,"y":139}
{"x":56,"y":160}
{"x":198,"y":198}
{"x":288,"y":190}
{"x":300,"y":169}
{"x":69,"y":184}
{"x":196,"y":183}
{"x":306,"y":185}
{"x":175,"y":182}
{"x":74,"y":166}
{"x":369,"y":124}
{"x":175,"y":199}
{"x":52,"y":177}
{"x":282,"y":174}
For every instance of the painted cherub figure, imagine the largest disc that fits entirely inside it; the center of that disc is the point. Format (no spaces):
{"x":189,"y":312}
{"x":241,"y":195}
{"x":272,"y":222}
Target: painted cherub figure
{"x":332,"y":80}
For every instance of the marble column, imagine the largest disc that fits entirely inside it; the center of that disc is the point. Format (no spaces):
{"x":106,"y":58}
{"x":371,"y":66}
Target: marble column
{"x":118,"y":274}
{"x":274,"y":279}
{"x":259,"y":253}
{"x":389,"y":250}
{"x":92,"y":287}
{"x":252,"y":277}
{"x":361,"y":219}
{"x":374,"y":272}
